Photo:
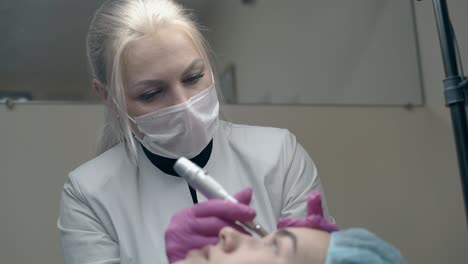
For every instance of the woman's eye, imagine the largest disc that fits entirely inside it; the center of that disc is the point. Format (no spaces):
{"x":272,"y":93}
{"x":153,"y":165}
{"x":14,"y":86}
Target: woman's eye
{"x":149,"y":96}
{"x":194,"y":78}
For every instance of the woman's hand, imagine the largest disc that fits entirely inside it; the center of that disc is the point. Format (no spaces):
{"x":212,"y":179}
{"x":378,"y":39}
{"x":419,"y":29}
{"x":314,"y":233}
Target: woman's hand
{"x":314,"y":219}
{"x":197,"y":226}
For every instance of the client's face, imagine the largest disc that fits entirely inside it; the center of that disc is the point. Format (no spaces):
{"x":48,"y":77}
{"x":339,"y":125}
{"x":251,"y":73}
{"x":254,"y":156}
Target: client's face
{"x":291,"y":245}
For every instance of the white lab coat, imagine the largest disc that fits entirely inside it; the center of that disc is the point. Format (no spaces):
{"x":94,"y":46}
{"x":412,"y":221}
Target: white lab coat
{"x":111,"y":214}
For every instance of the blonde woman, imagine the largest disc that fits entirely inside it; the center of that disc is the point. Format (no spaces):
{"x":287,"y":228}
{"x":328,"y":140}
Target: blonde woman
{"x":150,"y":66}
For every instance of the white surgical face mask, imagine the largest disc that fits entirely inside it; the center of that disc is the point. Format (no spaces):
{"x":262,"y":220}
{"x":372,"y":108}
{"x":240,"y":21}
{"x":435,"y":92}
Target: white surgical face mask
{"x":181,"y":130}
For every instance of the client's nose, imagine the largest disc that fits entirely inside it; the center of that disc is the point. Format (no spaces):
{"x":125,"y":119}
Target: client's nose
{"x":230,"y":239}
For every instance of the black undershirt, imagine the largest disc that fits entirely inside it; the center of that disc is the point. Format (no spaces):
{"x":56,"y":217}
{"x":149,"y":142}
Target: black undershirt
{"x":166,"y":165}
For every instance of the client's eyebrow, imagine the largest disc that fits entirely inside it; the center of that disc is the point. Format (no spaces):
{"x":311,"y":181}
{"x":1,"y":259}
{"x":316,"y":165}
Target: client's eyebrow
{"x":286,"y":233}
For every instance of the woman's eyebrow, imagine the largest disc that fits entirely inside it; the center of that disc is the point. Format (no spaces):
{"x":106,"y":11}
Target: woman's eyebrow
{"x":286,"y":233}
{"x":192,"y":65}
{"x":145,"y":83}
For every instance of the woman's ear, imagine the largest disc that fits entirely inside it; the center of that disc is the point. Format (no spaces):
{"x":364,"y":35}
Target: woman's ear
{"x":100,"y":89}
{"x":102,"y":92}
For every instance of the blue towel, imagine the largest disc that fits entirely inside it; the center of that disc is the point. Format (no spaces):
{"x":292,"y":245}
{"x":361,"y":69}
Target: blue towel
{"x":357,"y":245}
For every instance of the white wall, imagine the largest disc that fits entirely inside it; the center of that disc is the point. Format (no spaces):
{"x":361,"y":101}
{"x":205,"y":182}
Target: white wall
{"x":39,"y":145}
{"x":388,"y":169}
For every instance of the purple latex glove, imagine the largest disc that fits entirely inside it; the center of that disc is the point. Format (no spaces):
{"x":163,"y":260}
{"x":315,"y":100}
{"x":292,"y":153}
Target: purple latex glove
{"x":198,"y":225}
{"x":314,"y":219}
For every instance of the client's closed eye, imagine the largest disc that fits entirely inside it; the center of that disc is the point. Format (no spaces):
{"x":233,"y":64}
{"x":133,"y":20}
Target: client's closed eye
{"x":274,"y":245}
{"x":280,"y":246}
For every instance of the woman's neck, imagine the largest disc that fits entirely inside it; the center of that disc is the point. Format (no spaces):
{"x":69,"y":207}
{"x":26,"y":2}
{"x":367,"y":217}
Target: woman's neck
{"x":166,"y":165}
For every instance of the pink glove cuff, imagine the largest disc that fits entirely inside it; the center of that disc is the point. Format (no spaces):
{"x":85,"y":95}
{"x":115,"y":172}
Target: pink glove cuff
{"x":315,"y":217}
{"x":314,"y":221}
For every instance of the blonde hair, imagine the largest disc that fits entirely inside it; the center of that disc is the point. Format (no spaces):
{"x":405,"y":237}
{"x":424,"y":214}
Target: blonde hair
{"x":115,"y":25}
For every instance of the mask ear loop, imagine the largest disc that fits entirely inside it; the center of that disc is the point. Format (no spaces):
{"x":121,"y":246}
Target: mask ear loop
{"x":121,"y":111}
{"x":212,"y":77}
